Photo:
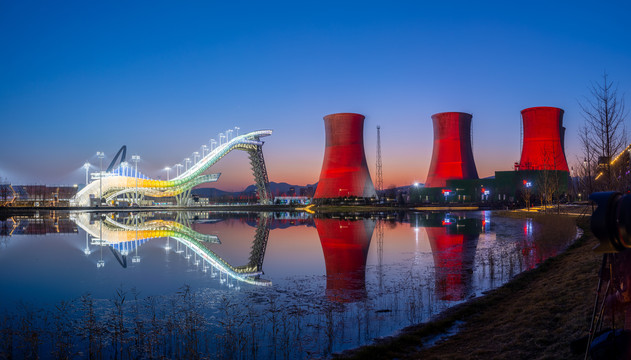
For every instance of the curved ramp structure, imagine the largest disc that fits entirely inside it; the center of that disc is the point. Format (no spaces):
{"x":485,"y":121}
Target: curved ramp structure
{"x":125,"y":180}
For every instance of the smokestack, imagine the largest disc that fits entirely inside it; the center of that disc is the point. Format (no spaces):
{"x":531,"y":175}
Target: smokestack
{"x":543,"y":139}
{"x":452,"y":156}
{"x":344,"y":169}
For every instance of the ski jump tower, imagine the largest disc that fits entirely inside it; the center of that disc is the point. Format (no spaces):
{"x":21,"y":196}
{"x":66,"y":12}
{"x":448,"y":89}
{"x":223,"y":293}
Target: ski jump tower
{"x":344,"y":169}
{"x":543,"y":139}
{"x":452,"y":156}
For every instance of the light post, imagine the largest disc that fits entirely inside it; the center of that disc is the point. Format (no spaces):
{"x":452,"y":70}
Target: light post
{"x":125,"y":165}
{"x":178,"y":167}
{"x":237,"y":128}
{"x":187,"y":161}
{"x":86,"y":166}
{"x":212,"y":144}
{"x":168,"y":170}
{"x":204,"y":148}
{"x":86,"y":251}
{"x":221,"y":136}
{"x":228,"y":133}
{"x":135,"y":159}
{"x":195,"y":156}
{"x":100,"y":155}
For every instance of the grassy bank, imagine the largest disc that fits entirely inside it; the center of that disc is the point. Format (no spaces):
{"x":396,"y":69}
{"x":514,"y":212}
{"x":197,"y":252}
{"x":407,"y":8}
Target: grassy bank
{"x":535,"y":316}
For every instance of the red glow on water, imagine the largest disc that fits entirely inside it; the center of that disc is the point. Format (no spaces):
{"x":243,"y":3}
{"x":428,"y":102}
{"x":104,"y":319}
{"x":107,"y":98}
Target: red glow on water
{"x":454,"y":254}
{"x":345,"y":246}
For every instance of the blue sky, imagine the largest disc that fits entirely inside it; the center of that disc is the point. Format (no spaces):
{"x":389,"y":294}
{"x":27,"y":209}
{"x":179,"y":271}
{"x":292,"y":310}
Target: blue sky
{"x":164,"y":77}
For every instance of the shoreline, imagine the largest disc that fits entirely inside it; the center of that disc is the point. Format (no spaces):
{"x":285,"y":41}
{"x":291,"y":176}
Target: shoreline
{"x":535,"y":315}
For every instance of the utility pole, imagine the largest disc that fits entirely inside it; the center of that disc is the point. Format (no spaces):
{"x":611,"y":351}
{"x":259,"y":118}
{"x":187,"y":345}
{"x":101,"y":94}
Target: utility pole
{"x":100,"y":155}
{"x":379,"y":167}
{"x":135,"y":159}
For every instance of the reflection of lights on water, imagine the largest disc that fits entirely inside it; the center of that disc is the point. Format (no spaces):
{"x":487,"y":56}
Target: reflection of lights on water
{"x":135,"y":259}
{"x":416,"y":234}
{"x":100,"y":264}
{"x":528,"y":227}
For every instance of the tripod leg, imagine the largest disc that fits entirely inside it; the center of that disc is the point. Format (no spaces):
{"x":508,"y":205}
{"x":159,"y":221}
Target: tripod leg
{"x":591,"y":325}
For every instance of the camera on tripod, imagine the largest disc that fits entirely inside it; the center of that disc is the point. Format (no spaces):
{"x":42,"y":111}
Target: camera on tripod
{"x":611,"y":221}
{"x":611,"y":224}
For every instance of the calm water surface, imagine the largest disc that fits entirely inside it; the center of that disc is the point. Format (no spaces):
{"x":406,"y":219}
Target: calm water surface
{"x":248,"y":285}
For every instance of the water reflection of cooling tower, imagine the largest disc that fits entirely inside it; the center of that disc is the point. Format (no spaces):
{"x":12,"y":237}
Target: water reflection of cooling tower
{"x":453,"y":248}
{"x":344,"y":168}
{"x":345,"y":246}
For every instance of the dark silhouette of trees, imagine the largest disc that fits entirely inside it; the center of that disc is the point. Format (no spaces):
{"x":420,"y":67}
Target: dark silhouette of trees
{"x":603,"y":135}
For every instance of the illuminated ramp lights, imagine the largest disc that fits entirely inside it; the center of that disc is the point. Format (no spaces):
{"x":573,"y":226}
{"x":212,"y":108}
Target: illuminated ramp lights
{"x":127,"y":180}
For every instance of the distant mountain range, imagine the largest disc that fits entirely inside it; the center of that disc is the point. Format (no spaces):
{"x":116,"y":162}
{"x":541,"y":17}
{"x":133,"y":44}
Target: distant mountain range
{"x":275,"y":188}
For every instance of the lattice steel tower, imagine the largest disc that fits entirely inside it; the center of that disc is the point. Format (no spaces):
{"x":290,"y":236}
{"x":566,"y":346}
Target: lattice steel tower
{"x":379,"y":169}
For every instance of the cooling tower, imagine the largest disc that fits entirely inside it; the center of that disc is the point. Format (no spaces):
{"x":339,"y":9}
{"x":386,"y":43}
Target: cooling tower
{"x":345,"y":246}
{"x":543,"y":139}
{"x":344,"y":169}
{"x":452,"y":157}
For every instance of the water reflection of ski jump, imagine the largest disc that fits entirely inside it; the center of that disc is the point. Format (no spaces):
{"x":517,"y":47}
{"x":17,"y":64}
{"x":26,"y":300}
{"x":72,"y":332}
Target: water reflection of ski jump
{"x":126,"y":235}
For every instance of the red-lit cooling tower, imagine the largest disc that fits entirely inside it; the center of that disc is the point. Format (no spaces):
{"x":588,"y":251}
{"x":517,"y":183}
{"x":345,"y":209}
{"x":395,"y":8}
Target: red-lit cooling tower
{"x":543,"y":139}
{"x":452,"y":157}
{"x":345,"y":246}
{"x":344,"y":169}
{"x":454,"y":255}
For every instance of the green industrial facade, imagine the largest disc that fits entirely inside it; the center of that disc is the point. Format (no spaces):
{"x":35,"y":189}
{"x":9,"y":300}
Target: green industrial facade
{"x":505,"y":187}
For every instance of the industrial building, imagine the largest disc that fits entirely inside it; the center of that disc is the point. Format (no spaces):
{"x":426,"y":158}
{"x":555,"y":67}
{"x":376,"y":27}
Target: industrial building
{"x":542,"y":174}
{"x":344,"y":173}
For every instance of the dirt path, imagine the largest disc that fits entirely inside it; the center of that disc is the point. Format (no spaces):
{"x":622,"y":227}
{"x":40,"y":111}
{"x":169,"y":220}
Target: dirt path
{"x":535,"y":316}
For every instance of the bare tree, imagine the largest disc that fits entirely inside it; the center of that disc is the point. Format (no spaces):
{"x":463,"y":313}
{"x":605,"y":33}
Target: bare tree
{"x":548,"y":181}
{"x":604,"y":114}
{"x":586,"y":167}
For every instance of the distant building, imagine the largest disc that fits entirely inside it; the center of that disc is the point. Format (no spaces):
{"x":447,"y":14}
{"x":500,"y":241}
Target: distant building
{"x":289,"y":200}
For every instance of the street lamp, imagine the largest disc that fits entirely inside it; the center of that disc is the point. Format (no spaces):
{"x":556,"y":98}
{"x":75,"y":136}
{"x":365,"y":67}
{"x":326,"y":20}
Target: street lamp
{"x":204,"y":148}
{"x":86,"y":166}
{"x":100,"y":155}
{"x":228,"y":133}
{"x":167,"y":169}
{"x":221,"y":136}
{"x":237,"y":128}
{"x":178,"y":167}
{"x":212,"y":144}
{"x":195,"y":156}
{"x":135,"y":159}
{"x":125,"y":166}
{"x":187,"y":161}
